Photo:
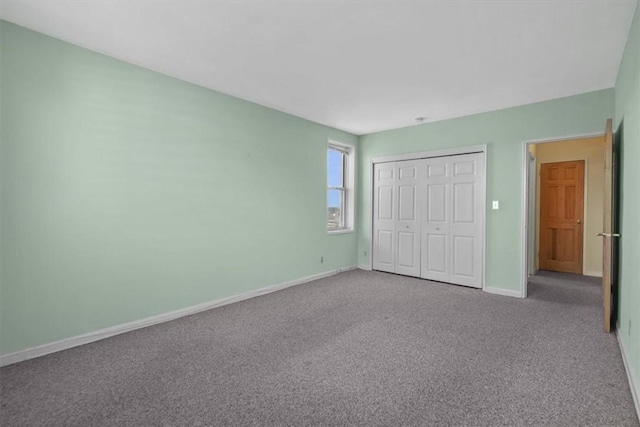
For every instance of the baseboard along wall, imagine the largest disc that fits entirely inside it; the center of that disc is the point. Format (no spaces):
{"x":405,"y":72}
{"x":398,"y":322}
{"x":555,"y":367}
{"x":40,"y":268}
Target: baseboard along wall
{"x":101,"y":334}
{"x":592,"y":273}
{"x":504,"y":292}
{"x":496,"y":291}
{"x":631,"y":374}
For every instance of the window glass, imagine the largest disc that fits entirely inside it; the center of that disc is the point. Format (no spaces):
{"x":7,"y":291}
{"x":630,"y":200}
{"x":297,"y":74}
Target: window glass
{"x":335,"y":211}
{"x":336,"y":187}
{"x":335,"y":168}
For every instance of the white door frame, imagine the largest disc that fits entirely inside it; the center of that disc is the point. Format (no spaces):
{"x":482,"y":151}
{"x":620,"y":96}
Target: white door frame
{"x":425,"y":155}
{"x":531,"y":220}
{"x":524,"y":213}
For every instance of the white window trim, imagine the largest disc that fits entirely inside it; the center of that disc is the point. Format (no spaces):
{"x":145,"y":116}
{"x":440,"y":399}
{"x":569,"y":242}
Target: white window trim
{"x":349,"y":197}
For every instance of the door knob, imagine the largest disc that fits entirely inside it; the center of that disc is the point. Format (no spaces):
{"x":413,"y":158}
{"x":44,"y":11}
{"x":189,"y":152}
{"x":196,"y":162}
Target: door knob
{"x":578,"y":221}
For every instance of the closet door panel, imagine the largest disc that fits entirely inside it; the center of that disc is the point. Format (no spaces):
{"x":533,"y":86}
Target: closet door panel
{"x":463,"y":256}
{"x":408,"y":224}
{"x":436,"y":245}
{"x":384,"y":250}
{"x":384,"y":217}
{"x":464,"y":203}
{"x":406,"y":251}
{"x":434,"y":239}
{"x":466,"y":219}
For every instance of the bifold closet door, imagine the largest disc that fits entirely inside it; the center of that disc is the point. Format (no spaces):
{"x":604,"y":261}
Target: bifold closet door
{"x":396,"y":240}
{"x":428,"y":218}
{"x":452,"y":238}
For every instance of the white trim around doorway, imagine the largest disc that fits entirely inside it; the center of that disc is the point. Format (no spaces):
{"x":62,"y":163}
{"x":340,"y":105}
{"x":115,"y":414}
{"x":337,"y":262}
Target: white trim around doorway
{"x":524,"y":213}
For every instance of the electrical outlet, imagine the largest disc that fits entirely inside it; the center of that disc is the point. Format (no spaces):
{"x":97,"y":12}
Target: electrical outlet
{"x":496,"y":204}
{"x":321,"y":259}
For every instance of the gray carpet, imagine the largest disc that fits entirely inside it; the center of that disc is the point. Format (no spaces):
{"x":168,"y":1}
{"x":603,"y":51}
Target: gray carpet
{"x":360,"y":348}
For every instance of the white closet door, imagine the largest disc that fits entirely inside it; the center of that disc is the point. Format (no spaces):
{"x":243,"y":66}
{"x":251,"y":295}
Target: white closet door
{"x":384,"y":217}
{"x":428,"y":218}
{"x":436,"y":179}
{"x":466,"y":221}
{"x":408,"y":221}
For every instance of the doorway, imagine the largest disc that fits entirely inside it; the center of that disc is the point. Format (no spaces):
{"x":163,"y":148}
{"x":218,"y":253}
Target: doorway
{"x":563,"y":216}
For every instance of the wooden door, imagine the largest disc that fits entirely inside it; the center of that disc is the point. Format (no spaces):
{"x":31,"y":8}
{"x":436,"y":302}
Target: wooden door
{"x":608,"y":261}
{"x":561,"y":216}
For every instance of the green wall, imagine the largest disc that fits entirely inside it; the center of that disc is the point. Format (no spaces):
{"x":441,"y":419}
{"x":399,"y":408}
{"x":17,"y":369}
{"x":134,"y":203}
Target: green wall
{"x":627,"y":110}
{"x":126,"y":193}
{"x":503,"y":131}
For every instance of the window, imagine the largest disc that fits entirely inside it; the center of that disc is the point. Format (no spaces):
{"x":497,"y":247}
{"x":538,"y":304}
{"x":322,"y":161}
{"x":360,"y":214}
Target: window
{"x":339,"y":187}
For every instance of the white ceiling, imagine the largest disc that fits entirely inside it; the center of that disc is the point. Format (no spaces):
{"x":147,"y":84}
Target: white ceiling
{"x":360,"y":66}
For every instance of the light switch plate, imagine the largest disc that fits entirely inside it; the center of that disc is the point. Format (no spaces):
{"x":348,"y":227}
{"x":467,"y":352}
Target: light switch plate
{"x":496,"y":204}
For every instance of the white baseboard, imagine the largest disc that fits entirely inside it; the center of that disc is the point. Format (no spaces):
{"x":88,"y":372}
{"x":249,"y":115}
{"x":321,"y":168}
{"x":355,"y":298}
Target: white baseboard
{"x":67,"y":343}
{"x":364,"y":267}
{"x":592,"y":273}
{"x":504,"y":292}
{"x":631,"y":374}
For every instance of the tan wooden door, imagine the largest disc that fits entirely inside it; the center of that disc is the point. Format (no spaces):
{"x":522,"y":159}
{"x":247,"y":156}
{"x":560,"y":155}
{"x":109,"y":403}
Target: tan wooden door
{"x":561,"y":216}
{"x":608,"y":226}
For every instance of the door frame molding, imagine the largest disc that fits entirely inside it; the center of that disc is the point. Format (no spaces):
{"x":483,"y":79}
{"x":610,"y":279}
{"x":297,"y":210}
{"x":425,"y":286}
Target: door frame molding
{"x":524,"y":212}
{"x":430,"y":154}
{"x":531,"y":219}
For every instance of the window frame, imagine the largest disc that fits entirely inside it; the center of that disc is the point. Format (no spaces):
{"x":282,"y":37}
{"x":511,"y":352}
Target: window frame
{"x":347,"y":188}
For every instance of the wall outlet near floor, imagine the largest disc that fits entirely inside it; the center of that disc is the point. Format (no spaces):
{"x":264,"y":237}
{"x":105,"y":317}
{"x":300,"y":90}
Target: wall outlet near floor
{"x":496,"y":204}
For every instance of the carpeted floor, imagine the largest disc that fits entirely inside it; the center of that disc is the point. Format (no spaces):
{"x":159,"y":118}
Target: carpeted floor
{"x":359,"y":348}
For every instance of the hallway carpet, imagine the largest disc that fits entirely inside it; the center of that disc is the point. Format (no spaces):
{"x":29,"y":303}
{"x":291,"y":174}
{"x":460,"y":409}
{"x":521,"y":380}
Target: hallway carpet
{"x":359,"y":348}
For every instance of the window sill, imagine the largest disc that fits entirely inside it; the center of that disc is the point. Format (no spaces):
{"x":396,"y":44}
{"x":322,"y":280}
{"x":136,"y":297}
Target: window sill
{"x":341,"y":231}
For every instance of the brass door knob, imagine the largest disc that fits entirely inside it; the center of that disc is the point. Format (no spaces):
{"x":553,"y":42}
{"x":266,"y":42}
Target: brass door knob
{"x":578,"y":221}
